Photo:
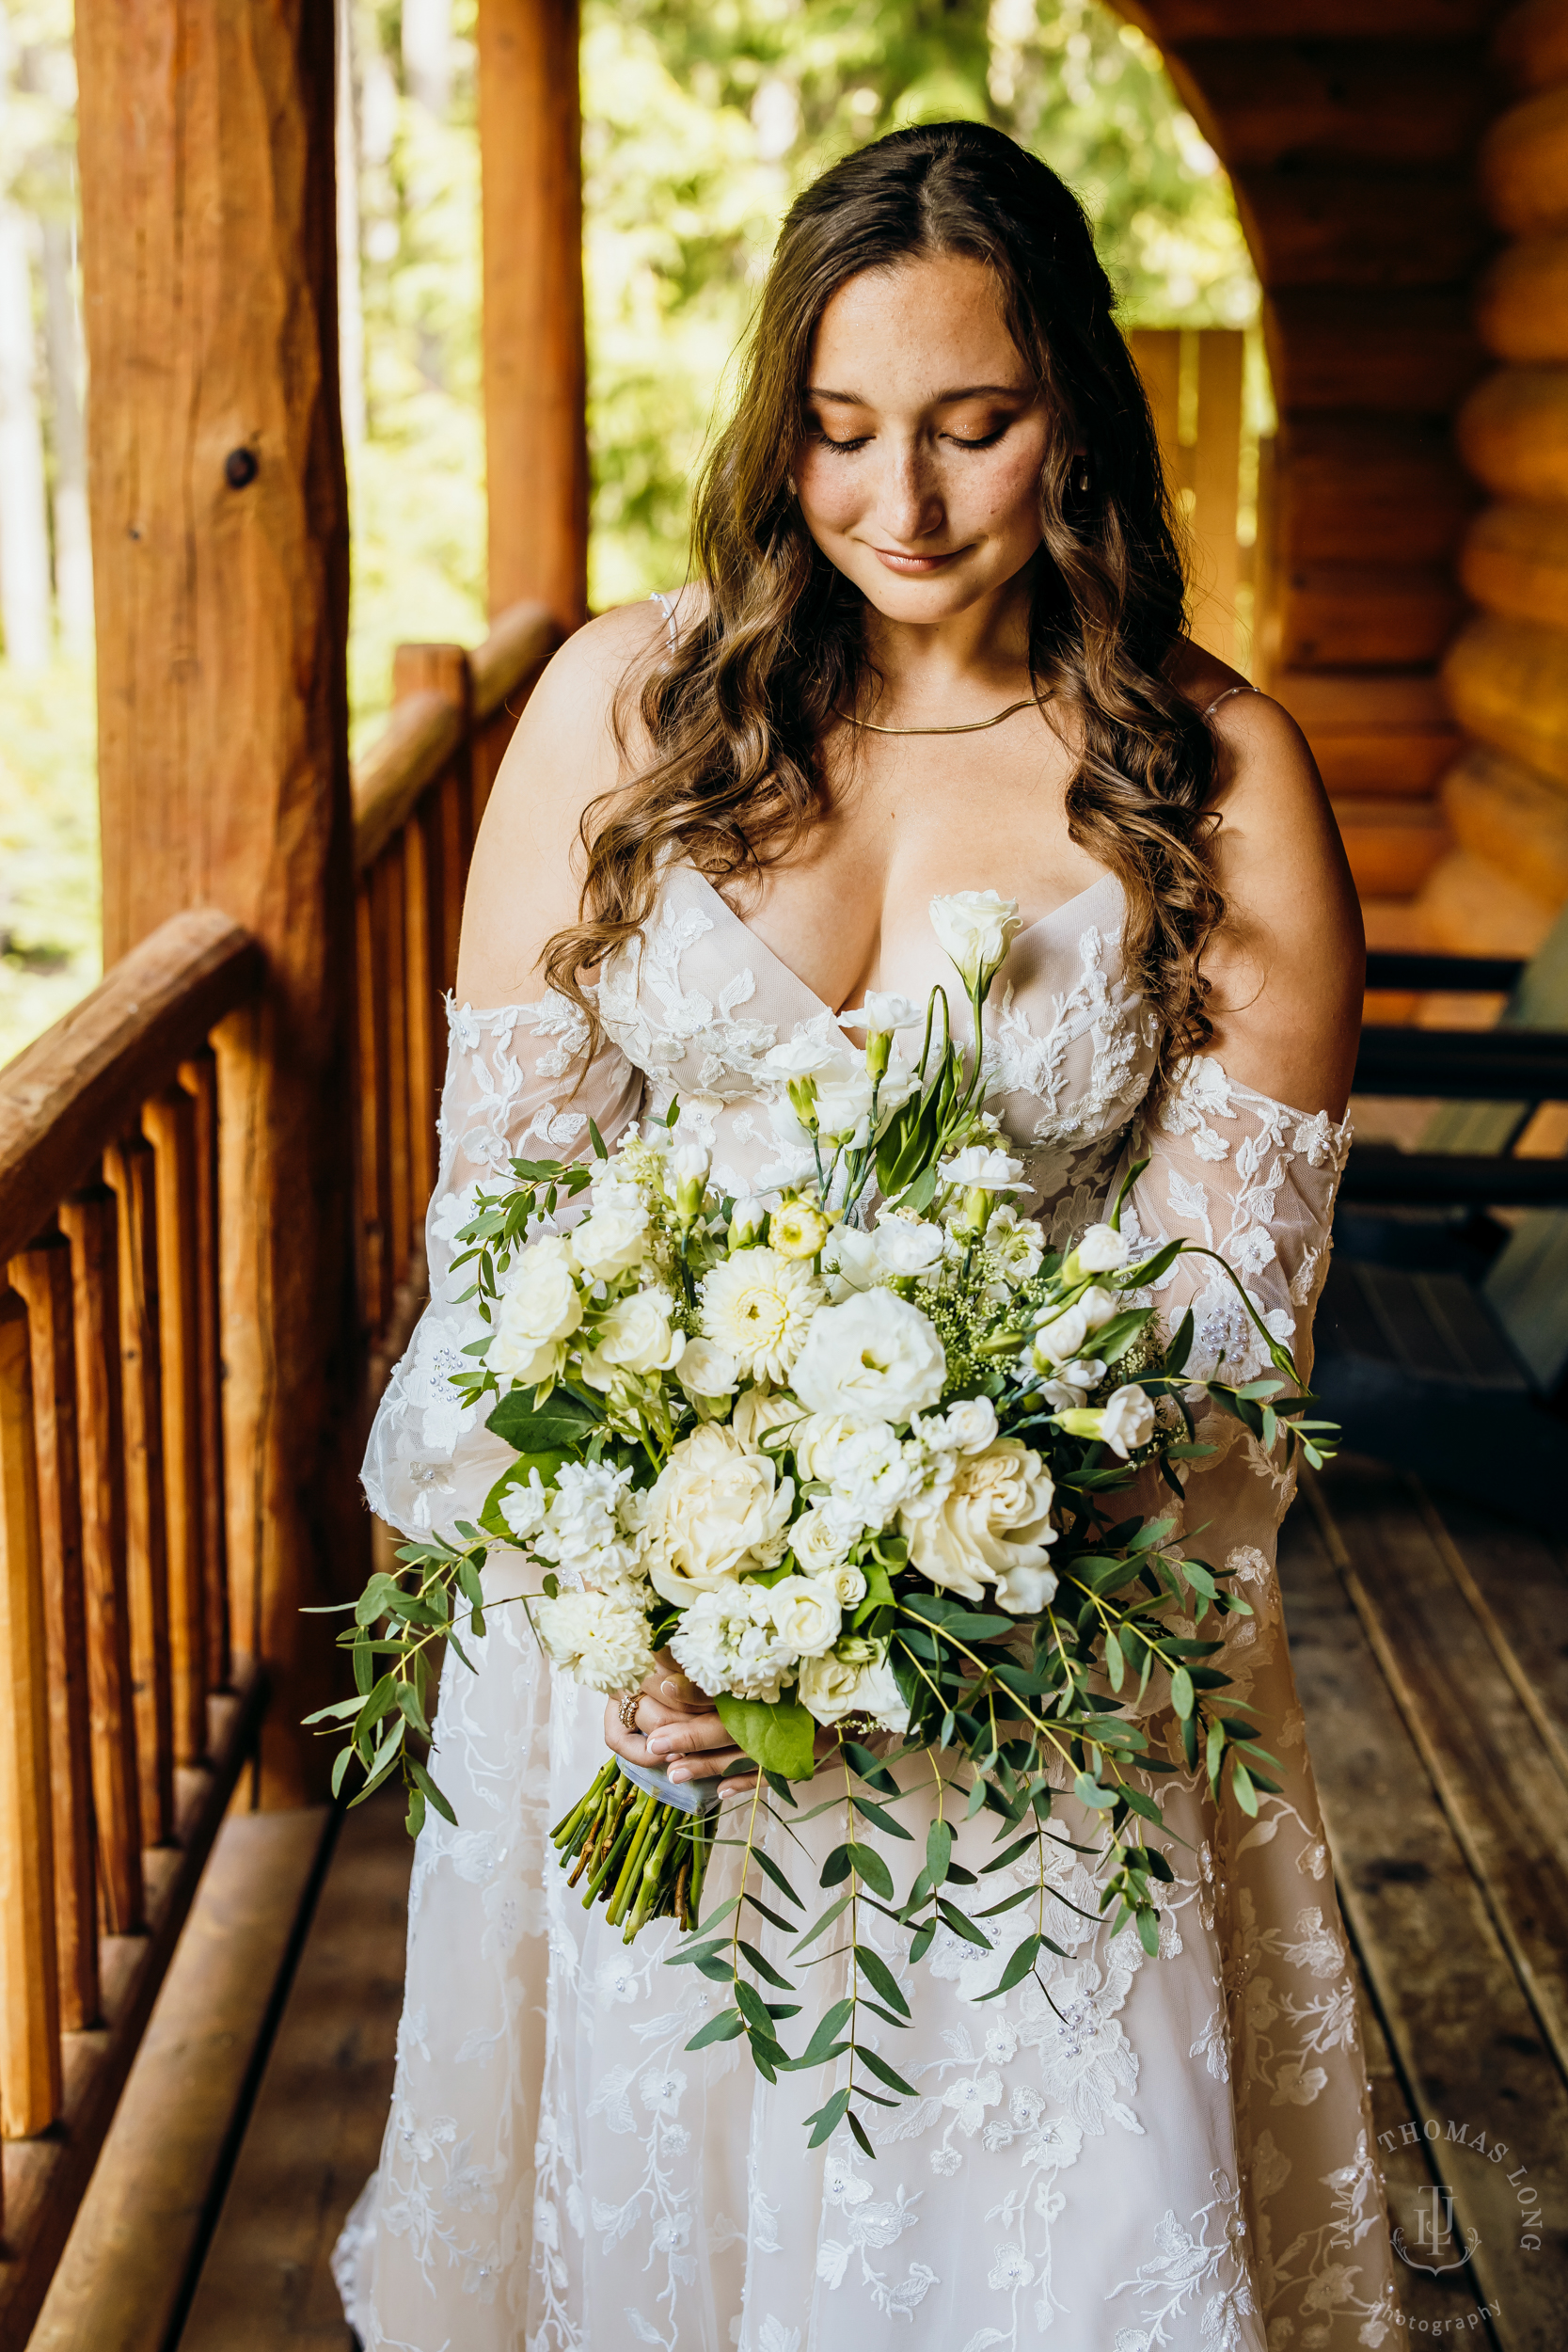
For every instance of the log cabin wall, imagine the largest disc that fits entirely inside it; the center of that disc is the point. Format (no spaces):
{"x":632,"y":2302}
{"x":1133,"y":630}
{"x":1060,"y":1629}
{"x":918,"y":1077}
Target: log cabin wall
{"x":1351,"y":133}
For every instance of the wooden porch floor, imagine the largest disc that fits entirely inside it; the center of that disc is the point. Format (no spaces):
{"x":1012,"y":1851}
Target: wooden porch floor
{"x":1431,"y":1648}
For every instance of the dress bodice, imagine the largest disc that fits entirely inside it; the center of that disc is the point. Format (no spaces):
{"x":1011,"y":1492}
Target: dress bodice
{"x":697,"y":1000}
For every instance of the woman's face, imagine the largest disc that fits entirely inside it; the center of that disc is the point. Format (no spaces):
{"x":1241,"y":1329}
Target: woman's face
{"x":919,"y":472}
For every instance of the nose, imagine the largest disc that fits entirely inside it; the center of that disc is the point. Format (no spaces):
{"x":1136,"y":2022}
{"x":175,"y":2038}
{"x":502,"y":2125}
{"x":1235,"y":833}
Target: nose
{"x":909,"y":503}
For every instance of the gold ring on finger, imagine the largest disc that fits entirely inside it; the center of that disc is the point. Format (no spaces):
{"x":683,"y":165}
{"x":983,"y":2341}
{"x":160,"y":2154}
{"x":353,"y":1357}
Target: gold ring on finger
{"x":630,"y":1702}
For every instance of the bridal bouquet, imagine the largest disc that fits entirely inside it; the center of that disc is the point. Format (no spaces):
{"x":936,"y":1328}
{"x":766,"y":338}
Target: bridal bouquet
{"x":858,"y":1475}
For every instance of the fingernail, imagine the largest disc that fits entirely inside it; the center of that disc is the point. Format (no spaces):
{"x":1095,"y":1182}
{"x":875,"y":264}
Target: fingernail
{"x":680,"y":1772}
{"x":658,"y":1744}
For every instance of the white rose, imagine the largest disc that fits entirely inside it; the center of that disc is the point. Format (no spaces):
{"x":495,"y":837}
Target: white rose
{"x":758,"y":1410}
{"x":849,"y":1261}
{"x":1128,"y":1420}
{"x":613,"y":1240}
{"x":883,"y":1012}
{"x":831,"y":1687}
{"x":979,"y":1171}
{"x":634,"y":1336}
{"x":977,"y":928}
{"x":876,"y":1357}
{"x":847,"y":1583}
{"x":805,"y":1613}
{"x":714,"y":1509}
{"x":600,"y":1640}
{"x":819,"y":1545}
{"x":539,"y":1310}
{"x":909,"y":1245}
{"x":1102,"y":1250}
{"x":991,"y":1526}
{"x":757,"y":1306}
{"x":704,"y":1369}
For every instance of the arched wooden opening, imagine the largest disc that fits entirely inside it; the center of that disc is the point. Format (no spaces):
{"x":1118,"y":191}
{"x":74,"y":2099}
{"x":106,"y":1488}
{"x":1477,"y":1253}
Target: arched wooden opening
{"x":1375,"y":154}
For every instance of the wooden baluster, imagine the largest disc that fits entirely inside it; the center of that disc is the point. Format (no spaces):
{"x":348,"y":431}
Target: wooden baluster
{"x":421,"y":869}
{"x":390,"y":910}
{"x":42,"y":1277}
{"x":130,"y":1170}
{"x":168,"y":1122}
{"x":91,"y":1221}
{"x":455,"y":818}
{"x":199,"y":1080}
{"x":29,"y":1994}
{"x":374,"y":1172}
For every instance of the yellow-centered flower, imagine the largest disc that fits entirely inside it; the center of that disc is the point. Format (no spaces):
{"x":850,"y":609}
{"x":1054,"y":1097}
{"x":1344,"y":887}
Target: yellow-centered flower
{"x":796,"y":1230}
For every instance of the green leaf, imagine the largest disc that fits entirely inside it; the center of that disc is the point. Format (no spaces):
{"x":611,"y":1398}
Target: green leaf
{"x":824,"y":2040}
{"x":858,"y":2129}
{"x":960,"y":1926}
{"x":1182,"y":1693}
{"x":826,"y":1922}
{"x":921,"y":1942}
{"x":1115,"y":1663}
{"x":727,"y":2027}
{"x":882,"y":1976}
{"x":764,"y":1968}
{"x":938,"y":1850}
{"x":559,"y":1425}
{"x":884,"y":2073}
{"x":875,"y":1773}
{"x":827,"y":2119}
{"x":869,"y":1865}
{"x":1019,"y":1961}
{"x":428,"y":1789}
{"x":1148,"y":1932}
{"x":780,"y":1737}
{"x":414,"y":1819}
{"x":1240,"y":1781}
{"x":765,"y":1862}
{"x":1089,"y":1792}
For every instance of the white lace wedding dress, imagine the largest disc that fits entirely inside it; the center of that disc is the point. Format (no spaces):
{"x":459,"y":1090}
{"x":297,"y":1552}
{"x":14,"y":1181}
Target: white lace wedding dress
{"x":1172,"y":2152}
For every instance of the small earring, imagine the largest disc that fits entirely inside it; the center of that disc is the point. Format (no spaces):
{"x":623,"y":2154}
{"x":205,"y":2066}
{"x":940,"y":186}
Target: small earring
{"x":1078,"y":482}
{"x":789,"y":484}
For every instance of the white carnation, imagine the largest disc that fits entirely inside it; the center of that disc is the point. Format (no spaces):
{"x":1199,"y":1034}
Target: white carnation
{"x":758,"y":1306}
{"x":1015,"y":1244}
{"x":883,"y":1012}
{"x":597,"y":1638}
{"x":876,"y":1357}
{"x":524,"y":1508}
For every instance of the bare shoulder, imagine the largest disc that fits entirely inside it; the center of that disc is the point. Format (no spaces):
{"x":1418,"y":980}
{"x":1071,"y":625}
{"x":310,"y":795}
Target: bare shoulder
{"x":567,"y":750}
{"x":1288,"y":966}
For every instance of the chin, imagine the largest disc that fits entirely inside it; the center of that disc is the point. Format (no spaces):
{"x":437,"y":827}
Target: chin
{"x":937,"y":598}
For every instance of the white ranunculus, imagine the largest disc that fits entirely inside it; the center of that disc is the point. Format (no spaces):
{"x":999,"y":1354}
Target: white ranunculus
{"x":599,"y":1639}
{"x":1060,"y":1334}
{"x":758,"y":1306}
{"x":715,"y":1509}
{"x":875,"y":1358}
{"x":818,"y":1544}
{"x":991,"y":1526}
{"x":849,"y":1261}
{"x":758,"y":1410}
{"x":635,"y":1335}
{"x":860,"y":1683}
{"x":979,"y":1171}
{"x":909,"y":1245}
{"x":540,"y":1308}
{"x":801,"y":1058}
{"x":704,"y":1369}
{"x":977,"y":928}
{"x":805,"y":1613}
{"x":1129,"y":1421}
{"x":1102,"y":1250}
{"x":883,"y":1012}
{"x":613,"y":1240}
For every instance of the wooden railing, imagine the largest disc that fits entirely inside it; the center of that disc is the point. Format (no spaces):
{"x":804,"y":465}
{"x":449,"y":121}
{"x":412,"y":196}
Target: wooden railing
{"x":125,"y":1720}
{"x":418,"y":800}
{"x":129,"y":1697}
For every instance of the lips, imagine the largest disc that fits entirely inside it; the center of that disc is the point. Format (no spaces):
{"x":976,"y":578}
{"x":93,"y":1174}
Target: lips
{"x":914,"y":565}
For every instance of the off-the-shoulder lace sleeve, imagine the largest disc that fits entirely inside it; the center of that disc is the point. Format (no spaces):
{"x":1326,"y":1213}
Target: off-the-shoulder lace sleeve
{"x":508,"y":1094}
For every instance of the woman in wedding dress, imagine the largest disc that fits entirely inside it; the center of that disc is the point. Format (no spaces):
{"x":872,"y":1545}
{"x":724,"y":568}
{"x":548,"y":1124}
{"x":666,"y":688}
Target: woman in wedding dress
{"x":934,"y":641}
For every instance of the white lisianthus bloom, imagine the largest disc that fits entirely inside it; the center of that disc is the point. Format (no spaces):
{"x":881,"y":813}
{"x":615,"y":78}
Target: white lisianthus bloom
{"x":816,"y":1441}
{"x":799,"y":1058}
{"x":844,"y":1099}
{"x":748,"y":1220}
{"x":757,"y":1306}
{"x":613,"y":1240}
{"x":849,"y":1261}
{"x":1102,"y":1251}
{"x":1128,"y":1420}
{"x":1062,"y":1396}
{"x":968,"y":1426}
{"x":727,"y":1641}
{"x":992,"y":1526}
{"x":875,"y":1358}
{"x":908,"y":1245}
{"x":704,"y":1369}
{"x":635,"y":1335}
{"x":1015,"y":1244}
{"x":979,"y":1171}
{"x":1059,"y":1334}
{"x":856,"y":1679}
{"x":805,"y":1613}
{"x":758,"y":1410}
{"x":600,"y":1640}
{"x":1099,"y":1305}
{"x":715,"y":1509}
{"x":540,"y":1308}
{"x":1085,"y":1371}
{"x":883,"y":1012}
{"x":820,"y":1545}
{"x":977,"y":928}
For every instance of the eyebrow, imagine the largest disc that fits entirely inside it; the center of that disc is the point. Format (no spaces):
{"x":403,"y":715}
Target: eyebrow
{"x":966,"y":392}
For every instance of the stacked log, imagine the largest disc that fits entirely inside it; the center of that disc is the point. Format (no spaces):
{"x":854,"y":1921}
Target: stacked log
{"x":1506,"y":800}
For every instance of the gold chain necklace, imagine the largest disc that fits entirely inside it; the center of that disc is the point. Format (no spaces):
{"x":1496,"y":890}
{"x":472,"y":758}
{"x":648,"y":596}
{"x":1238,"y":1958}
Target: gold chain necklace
{"x":968,"y":726}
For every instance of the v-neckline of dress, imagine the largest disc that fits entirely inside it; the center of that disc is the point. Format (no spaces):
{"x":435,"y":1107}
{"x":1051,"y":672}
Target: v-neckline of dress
{"x":790,"y":974}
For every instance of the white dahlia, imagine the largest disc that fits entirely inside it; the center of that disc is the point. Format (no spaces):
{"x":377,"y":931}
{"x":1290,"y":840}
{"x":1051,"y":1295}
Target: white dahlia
{"x":758,"y":1307}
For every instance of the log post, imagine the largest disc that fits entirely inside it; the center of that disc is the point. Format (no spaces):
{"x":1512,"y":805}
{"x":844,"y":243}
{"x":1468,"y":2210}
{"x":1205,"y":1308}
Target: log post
{"x":220,"y":569}
{"x":535,"y":367}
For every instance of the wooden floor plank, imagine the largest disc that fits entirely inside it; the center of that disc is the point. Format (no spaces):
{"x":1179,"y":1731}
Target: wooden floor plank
{"x":1517,"y":1582}
{"x":316,"y":2132}
{"x":1463,"y":2035}
{"x":1497,"y":1782}
{"x":130,"y":2252}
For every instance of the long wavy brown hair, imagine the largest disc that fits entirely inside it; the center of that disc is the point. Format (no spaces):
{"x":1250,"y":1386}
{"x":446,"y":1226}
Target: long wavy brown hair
{"x":737,"y":711}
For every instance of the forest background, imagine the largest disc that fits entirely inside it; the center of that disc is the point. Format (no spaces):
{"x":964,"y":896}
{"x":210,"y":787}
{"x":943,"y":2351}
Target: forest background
{"x":701,"y":118}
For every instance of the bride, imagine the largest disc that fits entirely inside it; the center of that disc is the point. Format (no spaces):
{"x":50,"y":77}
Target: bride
{"x":934,"y":642}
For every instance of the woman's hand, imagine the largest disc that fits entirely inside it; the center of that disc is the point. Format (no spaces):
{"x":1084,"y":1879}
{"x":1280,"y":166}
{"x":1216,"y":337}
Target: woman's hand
{"x":677,"y":1728}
